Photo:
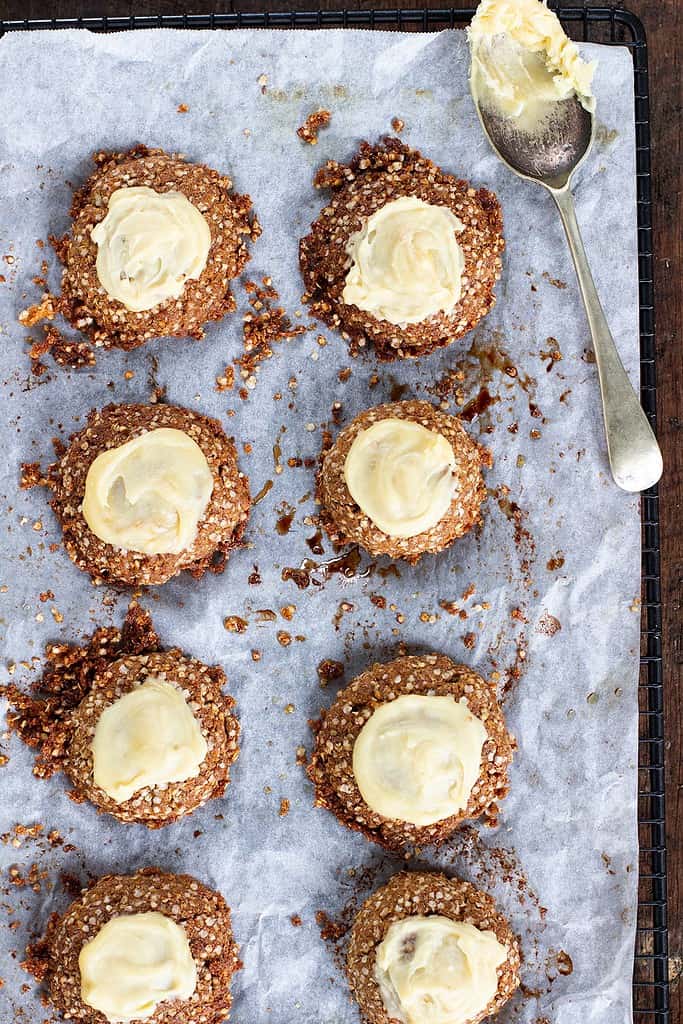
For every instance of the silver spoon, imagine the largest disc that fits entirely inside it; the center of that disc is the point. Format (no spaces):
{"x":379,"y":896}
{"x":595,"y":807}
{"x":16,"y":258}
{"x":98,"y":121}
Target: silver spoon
{"x":550,"y":158}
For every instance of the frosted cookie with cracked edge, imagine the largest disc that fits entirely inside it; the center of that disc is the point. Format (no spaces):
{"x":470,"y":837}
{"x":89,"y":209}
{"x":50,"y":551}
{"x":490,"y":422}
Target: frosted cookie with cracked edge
{"x":173,"y":933}
{"x":144,"y":734}
{"x":144,"y":492}
{"x":411,"y":749}
{"x":401,"y":479}
{"x":428,"y":949}
{"x":154,"y":244}
{"x":404,"y":255}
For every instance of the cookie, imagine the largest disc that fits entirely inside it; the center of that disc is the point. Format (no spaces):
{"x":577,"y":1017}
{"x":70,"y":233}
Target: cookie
{"x":172,"y":932}
{"x":404,"y":255}
{"x":155,"y":241}
{"x":411,"y":749}
{"x":402,"y":479}
{"x":144,"y":492}
{"x":425,"y":947}
{"x":145,"y":734}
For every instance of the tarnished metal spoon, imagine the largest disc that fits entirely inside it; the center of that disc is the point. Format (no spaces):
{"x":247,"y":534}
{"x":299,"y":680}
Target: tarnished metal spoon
{"x":550,"y":158}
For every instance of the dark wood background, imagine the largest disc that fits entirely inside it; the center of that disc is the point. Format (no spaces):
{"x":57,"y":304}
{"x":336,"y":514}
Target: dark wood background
{"x":662,"y":20}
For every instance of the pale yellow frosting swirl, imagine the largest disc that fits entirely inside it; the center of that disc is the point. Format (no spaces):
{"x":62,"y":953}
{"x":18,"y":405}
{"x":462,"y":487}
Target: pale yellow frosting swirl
{"x":523,"y":64}
{"x":148,"y":737}
{"x":134,"y":963}
{"x":432,"y":970}
{"x":401,"y":475}
{"x":148,"y":245}
{"x":149,"y":494}
{"x":417,"y":758}
{"x":406,"y":263}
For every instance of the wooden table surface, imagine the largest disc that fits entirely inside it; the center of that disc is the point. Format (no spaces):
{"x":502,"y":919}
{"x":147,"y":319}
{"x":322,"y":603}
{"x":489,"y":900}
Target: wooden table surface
{"x":662,"y":20}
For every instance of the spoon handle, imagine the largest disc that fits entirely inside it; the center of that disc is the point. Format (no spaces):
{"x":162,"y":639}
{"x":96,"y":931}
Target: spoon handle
{"x":634,"y":455}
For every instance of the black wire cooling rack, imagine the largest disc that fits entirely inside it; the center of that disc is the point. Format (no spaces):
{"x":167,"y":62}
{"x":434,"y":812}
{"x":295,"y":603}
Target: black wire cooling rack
{"x":614,"y":26}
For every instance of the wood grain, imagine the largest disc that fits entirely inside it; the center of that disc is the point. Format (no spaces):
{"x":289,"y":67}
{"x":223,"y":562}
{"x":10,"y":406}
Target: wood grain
{"x":663,"y":26}
{"x":662,"y":20}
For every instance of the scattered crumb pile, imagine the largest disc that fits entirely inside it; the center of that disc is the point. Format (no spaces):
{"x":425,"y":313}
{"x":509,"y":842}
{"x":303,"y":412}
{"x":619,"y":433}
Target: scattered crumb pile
{"x":40,"y":716}
{"x":65,"y":351}
{"x":264,"y":327}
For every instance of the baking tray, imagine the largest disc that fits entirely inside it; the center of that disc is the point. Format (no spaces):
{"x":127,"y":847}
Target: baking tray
{"x":611,"y":26}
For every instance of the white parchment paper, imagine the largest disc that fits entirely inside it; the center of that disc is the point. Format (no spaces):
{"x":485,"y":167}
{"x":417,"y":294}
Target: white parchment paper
{"x":563,"y":862}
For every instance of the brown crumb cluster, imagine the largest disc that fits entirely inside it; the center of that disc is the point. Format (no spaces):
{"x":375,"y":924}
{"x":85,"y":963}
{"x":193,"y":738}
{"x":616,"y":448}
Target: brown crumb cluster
{"x":58,"y":717}
{"x":66,"y":352}
{"x":331,"y":765}
{"x":201,"y":912}
{"x":263,"y":327}
{"x":312,"y":125}
{"x":226,"y":380}
{"x":47,"y":309}
{"x":31,"y":476}
{"x":345,"y":522}
{"x":376,"y":176}
{"x":409,"y":894}
{"x":219,"y":531}
{"x":106,"y":321}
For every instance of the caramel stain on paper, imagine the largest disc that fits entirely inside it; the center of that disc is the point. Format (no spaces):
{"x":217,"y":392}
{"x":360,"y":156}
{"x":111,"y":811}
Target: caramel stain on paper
{"x":311,"y":573}
{"x":489,"y":368}
{"x":605,"y":136}
{"x":554,"y":281}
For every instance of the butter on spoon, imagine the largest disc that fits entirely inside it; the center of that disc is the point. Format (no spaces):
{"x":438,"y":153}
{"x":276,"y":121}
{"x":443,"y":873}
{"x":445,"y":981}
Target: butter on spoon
{"x":533,"y":95}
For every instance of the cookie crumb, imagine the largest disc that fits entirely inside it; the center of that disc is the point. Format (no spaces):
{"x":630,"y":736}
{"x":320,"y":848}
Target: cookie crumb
{"x":264,"y":326}
{"x":226,"y":381}
{"x":31,"y":476}
{"x":312,"y":125}
{"x":329,"y":670}
{"x":235,"y":624}
{"x":46,"y":309}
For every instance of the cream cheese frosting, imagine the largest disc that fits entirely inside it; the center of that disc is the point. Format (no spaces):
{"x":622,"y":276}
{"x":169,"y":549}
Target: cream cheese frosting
{"x":150,"y":493}
{"x":401,"y":475}
{"x":406,"y":263}
{"x":148,"y":245}
{"x":433,"y":970}
{"x":148,"y":737}
{"x":417,"y":758}
{"x":523,"y":64}
{"x":134,"y":963}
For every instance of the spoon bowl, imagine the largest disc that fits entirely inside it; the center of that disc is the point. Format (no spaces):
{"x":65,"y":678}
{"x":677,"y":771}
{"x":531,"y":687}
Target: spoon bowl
{"x":549,"y":156}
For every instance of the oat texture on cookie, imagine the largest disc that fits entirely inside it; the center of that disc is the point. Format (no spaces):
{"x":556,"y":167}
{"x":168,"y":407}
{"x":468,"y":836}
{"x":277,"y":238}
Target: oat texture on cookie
{"x":400,"y":763}
{"x":389,"y":988}
{"x":395,"y":475}
{"x":122,"y":521}
{"x":154,"y":243}
{"x":199,"y":914}
{"x":454,"y":233}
